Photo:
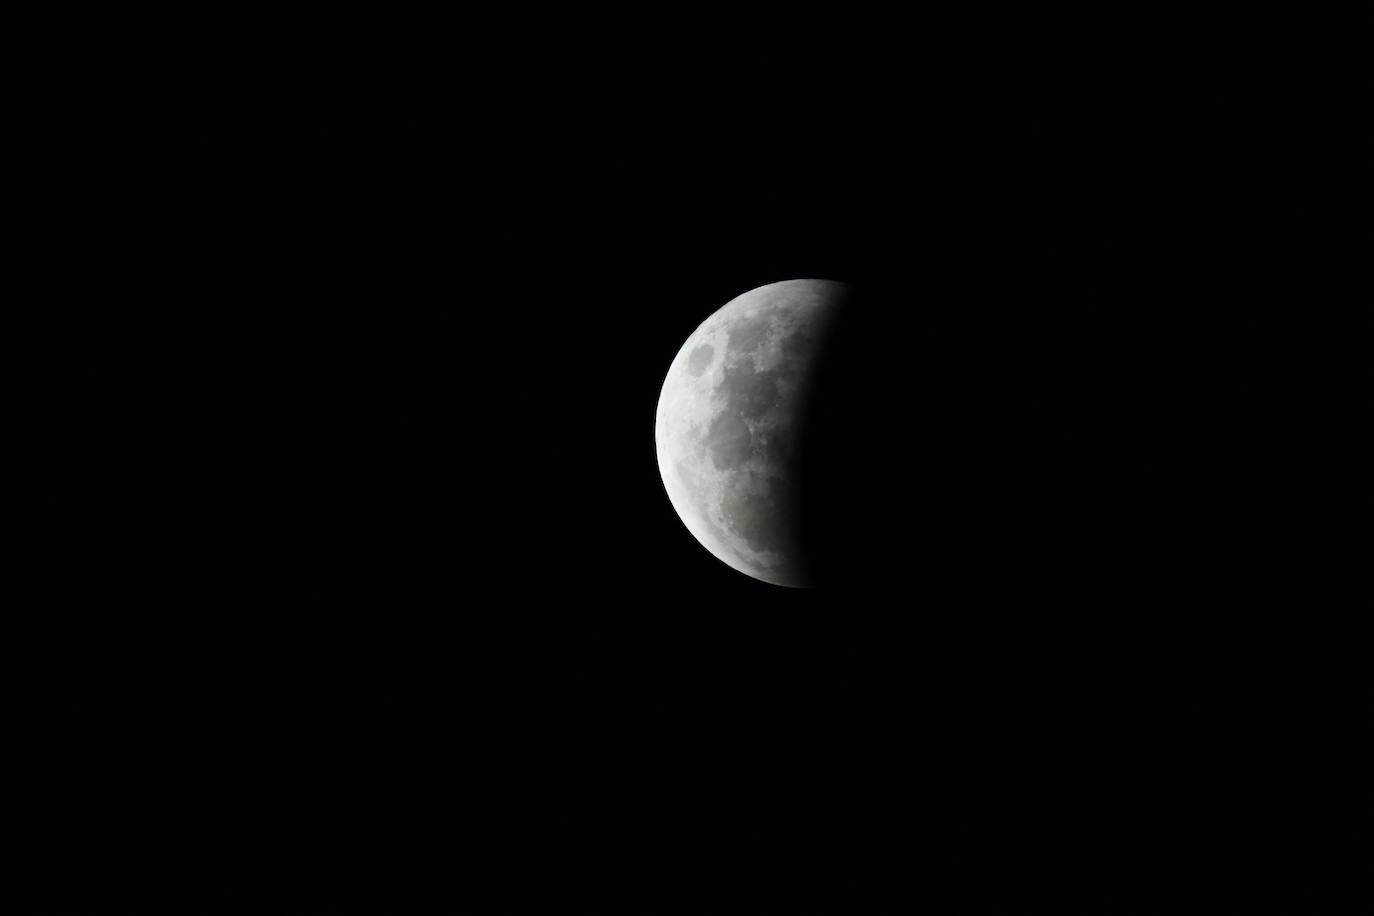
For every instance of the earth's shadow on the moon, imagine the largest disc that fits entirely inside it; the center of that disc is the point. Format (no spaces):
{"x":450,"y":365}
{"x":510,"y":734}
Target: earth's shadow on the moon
{"x":857,"y":465}
{"x":895,"y":485}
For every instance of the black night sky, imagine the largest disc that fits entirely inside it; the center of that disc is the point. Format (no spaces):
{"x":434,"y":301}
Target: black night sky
{"x":362,"y":589}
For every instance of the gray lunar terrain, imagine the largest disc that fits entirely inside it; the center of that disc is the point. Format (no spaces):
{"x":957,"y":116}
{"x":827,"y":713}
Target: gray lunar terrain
{"x":728,"y":424}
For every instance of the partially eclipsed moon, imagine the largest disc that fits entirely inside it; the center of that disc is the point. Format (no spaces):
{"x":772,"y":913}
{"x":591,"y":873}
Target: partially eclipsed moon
{"x":729,"y":425}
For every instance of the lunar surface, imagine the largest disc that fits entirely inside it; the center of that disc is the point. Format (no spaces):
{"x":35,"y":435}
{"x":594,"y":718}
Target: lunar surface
{"x":729,"y":425}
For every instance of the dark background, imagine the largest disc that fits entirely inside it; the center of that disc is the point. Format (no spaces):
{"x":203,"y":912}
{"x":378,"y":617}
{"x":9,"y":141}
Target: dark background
{"x":361,"y":587}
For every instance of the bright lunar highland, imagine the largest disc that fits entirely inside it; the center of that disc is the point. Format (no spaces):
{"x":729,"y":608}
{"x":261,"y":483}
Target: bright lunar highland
{"x":728,"y":429}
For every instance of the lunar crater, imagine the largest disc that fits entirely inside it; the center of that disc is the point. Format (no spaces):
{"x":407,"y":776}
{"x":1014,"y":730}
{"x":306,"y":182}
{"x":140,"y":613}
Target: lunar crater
{"x":701,"y":359}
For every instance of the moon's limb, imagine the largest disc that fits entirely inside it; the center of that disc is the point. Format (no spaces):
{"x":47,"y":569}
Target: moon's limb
{"x":727,"y":428}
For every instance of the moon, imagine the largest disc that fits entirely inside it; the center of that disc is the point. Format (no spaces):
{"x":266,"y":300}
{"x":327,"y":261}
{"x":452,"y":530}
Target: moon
{"x":730,"y":423}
